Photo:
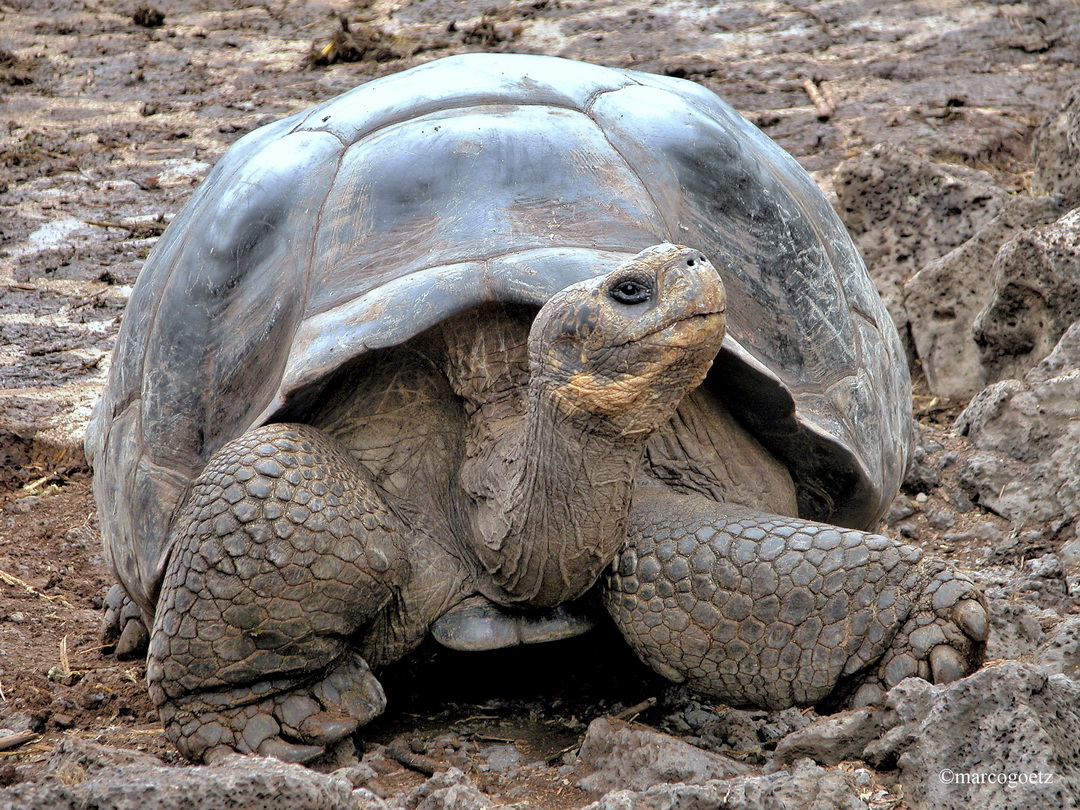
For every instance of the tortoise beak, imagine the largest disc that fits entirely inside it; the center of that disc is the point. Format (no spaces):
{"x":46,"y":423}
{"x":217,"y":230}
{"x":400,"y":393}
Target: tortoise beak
{"x":694,"y":295}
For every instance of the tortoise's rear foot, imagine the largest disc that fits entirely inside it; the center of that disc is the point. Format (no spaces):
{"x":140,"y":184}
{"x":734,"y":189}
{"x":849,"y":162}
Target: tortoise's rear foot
{"x":284,"y":718}
{"x":284,"y":555}
{"x":942,"y":639}
{"x":122,"y":626}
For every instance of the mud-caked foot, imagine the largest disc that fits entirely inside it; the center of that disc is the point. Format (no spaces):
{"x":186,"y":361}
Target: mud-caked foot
{"x":291,"y":722}
{"x":122,"y":626}
{"x":285,"y":556}
{"x":942,"y":639}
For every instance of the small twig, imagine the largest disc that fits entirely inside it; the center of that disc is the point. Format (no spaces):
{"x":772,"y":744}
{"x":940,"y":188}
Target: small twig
{"x":825,"y":110}
{"x":65,"y":662}
{"x":491,"y":738}
{"x":556,"y":758}
{"x":635,"y":710}
{"x":9,"y":579}
{"x":399,"y":751}
{"x":38,"y":484}
{"x":143,"y":228}
{"x":10,"y":741}
{"x":21,"y":286}
{"x":99,"y":648}
{"x":93,"y":362}
{"x":63,"y":673}
{"x":3,"y":697}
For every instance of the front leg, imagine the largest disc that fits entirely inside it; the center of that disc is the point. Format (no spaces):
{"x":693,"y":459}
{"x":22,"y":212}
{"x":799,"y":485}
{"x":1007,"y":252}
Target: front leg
{"x":768,"y":611}
{"x":283,"y":558}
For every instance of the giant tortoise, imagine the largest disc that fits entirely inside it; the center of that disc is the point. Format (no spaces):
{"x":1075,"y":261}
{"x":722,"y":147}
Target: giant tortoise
{"x":433,"y":357}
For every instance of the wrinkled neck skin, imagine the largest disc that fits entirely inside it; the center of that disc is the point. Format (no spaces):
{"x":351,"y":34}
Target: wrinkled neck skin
{"x":556,"y":443}
{"x":559,"y":490}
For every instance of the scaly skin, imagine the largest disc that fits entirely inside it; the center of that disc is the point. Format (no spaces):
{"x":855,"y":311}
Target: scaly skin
{"x":768,"y":611}
{"x":283,"y":554}
{"x":290,"y":573}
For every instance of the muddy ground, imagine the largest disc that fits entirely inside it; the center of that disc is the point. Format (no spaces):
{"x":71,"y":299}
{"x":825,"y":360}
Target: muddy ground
{"x":112,"y":112}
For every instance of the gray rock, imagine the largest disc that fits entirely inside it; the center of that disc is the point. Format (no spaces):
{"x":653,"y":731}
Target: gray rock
{"x":1007,"y":736}
{"x":1042,"y":582}
{"x":806,"y":787}
{"x":723,"y":730}
{"x":74,"y":760}
{"x":1029,"y":432}
{"x":237,"y":783}
{"x":985,"y":476}
{"x":1036,"y":297}
{"x":1055,"y":150}
{"x":446,"y":790}
{"x":366,"y":800}
{"x":1060,"y":651}
{"x":357,"y":775}
{"x":901,"y":508}
{"x":939,"y":518}
{"x":12,"y":721}
{"x":987,"y":532}
{"x":620,"y":755}
{"x":1015,"y":628}
{"x":502,"y":758}
{"x":1070,"y":551}
{"x":22,"y":506}
{"x":831,"y":740}
{"x":904,"y":211}
{"x":779,"y":724}
{"x":946,"y":296}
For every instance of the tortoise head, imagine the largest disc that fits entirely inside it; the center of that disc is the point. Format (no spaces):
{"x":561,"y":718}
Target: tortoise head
{"x":626,"y":347}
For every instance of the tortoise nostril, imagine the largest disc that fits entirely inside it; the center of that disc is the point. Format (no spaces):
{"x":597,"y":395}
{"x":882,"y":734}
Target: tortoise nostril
{"x":690,"y":262}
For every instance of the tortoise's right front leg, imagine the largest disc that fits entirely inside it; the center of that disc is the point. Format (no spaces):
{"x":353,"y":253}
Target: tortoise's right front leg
{"x":283,"y":553}
{"x":769,"y":611}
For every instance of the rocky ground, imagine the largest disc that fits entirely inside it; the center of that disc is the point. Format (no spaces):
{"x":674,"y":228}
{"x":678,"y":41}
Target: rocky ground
{"x":948,"y":138}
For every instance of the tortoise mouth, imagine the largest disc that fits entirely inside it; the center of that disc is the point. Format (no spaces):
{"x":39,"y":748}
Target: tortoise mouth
{"x":688,"y":330}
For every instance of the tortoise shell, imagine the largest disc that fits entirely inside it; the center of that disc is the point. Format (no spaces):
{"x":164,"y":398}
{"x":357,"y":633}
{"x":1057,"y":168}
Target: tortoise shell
{"x":489,"y":178}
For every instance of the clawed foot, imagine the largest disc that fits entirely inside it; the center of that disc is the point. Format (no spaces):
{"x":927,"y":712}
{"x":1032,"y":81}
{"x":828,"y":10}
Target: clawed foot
{"x":276,"y":718}
{"x":943,"y":638}
{"x":122,"y":626}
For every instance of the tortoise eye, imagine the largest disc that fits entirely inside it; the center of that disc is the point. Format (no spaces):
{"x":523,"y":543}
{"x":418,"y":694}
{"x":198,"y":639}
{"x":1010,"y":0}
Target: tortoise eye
{"x":631,"y":291}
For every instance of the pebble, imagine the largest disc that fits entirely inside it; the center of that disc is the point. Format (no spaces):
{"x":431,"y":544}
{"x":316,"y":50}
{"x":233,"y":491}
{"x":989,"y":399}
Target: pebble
{"x":23,"y":505}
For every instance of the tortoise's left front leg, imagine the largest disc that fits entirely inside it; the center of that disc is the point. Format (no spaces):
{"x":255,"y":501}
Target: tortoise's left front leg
{"x":769,"y":611}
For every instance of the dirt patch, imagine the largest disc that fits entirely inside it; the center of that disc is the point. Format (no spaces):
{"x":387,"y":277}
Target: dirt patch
{"x":55,"y":677}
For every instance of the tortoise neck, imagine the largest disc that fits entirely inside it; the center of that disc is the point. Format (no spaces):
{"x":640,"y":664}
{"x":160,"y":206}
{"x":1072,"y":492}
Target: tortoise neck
{"x":562,"y":509}
{"x":546,"y":489}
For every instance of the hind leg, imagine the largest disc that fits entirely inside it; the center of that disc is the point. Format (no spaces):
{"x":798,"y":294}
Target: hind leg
{"x":768,"y":611}
{"x":283,"y":553}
